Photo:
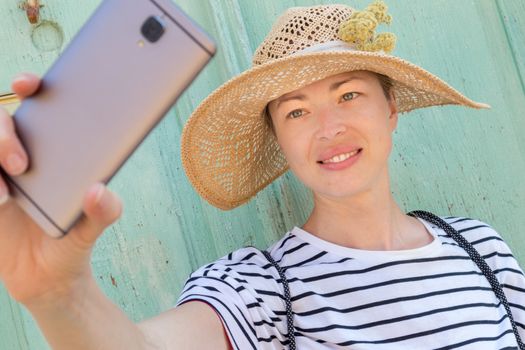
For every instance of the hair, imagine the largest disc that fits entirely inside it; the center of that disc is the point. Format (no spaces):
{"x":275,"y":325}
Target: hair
{"x":385,"y":81}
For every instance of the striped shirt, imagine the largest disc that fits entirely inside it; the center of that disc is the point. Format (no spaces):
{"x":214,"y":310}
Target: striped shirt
{"x":432,"y":297}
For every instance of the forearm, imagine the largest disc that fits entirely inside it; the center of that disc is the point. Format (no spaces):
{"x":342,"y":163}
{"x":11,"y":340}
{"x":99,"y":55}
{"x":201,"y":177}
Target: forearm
{"x":88,"y":320}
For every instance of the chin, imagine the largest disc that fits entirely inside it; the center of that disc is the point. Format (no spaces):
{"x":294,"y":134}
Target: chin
{"x":338,"y":191}
{"x":338,"y":195}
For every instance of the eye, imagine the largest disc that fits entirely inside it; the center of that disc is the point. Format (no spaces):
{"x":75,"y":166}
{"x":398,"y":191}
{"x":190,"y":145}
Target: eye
{"x":296,"y":113}
{"x":349,"y":96}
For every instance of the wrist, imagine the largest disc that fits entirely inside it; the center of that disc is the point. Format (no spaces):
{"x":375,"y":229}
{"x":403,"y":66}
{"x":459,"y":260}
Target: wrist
{"x":63,"y":296}
{"x":82,"y":317}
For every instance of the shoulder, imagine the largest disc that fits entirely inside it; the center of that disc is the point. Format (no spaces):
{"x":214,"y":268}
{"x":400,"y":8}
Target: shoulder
{"x":491,"y":246}
{"x":245,"y":262}
{"x":244,"y":289}
{"x":470,"y":226}
{"x":242,"y":275}
{"x":478,"y":233}
{"x":229,"y":277}
{"x":475,"y":231}
{"x":485,"y":239}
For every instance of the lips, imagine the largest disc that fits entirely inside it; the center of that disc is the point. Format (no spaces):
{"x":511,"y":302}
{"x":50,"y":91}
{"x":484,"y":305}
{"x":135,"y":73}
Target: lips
{"x":338,"y":154}
{"x":339,"y":158}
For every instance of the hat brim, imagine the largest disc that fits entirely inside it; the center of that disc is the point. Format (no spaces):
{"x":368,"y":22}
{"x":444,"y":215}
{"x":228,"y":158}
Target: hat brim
{"x":228,"y":151}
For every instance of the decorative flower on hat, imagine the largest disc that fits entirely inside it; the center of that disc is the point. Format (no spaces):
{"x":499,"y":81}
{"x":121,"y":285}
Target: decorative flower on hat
{"x":360,"y":27}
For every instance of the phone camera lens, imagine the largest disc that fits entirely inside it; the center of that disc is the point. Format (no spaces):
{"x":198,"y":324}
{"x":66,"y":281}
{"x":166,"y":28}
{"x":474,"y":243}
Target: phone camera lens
{"x":152,"y":29}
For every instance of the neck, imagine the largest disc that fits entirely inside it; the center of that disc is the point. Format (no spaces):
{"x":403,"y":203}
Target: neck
{"x":370,"y":220}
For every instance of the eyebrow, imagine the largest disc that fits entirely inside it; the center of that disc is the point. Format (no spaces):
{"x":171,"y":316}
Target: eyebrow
{"x":300,"y":97}
{"x":334,"y":86}
{"x":337,"y":84}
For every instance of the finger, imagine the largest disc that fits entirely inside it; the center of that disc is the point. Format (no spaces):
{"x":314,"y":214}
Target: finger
{"x":25,"y":84}
{"x":13,"y":157}
{"x":4,"y":192}
{"x":101,"y":209}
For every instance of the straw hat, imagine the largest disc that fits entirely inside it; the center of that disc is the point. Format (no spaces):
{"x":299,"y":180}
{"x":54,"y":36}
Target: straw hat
{"x":228,"y":150}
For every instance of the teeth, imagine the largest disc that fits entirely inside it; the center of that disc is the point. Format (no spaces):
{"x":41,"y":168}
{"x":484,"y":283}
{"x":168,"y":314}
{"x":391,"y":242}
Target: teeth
{"x":340,"y":157}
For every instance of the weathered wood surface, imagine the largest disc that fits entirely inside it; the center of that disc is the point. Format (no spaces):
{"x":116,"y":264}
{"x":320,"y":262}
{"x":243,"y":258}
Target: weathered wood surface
{"x":450,"y":160}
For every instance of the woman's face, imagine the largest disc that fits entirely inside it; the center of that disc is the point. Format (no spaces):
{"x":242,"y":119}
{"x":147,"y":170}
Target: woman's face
{"x":336,"y":133}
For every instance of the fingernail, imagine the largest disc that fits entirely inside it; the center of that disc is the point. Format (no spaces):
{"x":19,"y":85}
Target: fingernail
{"x":15,"y":164}
{"x":19,"y":78}
{"x":4,"y":195}
{"x":99,"y":188}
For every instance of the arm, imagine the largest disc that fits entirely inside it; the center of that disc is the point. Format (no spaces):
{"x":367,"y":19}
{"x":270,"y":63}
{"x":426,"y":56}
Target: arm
{"x":89,"y":320}
{"x":193,"y":325}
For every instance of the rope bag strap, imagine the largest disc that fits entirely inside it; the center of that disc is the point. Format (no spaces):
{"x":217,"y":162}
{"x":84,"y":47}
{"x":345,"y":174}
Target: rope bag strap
{"x":287,"y":300}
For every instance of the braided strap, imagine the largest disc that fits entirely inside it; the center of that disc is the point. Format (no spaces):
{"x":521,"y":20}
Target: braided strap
{"x":477,"y":258}
{"x":287,"y":300}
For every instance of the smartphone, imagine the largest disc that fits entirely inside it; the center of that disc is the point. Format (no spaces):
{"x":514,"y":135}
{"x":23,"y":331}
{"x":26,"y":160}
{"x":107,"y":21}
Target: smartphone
{"x":112,"y":84}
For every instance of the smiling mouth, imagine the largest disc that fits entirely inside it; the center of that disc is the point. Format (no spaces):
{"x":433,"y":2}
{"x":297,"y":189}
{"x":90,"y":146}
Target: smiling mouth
{"x":340,"y":157}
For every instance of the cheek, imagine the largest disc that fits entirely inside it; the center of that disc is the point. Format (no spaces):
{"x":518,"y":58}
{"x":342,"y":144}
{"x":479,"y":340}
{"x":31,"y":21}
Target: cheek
{"x":294,"y":146}
{"x":291,"y":149}
{"x":378,"y":133}
{"x":384,"y":141}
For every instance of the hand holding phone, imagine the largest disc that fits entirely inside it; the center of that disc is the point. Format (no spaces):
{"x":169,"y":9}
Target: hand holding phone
{"x":108,"y":89}
{"x":33,"y":264}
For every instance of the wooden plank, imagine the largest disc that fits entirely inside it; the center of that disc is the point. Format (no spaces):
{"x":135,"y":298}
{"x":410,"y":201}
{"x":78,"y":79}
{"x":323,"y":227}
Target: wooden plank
{"x":12,"y":330}
{"x":27,"y":47}
{"x":450,"y":160}
{"x":512,"y":16}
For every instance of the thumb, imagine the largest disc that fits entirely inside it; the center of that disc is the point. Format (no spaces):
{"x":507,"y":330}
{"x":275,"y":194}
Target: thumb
{"x":101,"y":209}
{"x":25,"y":84}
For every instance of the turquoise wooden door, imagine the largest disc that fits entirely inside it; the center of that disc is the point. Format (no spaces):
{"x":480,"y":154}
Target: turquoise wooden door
{"x":449,"y":160}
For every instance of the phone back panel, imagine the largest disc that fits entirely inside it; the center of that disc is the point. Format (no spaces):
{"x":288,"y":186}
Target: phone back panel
{"x":99,"y":100}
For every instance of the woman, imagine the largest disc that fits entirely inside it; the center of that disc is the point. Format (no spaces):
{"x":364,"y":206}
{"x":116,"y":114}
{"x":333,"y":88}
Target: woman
{"x":359,"y":273}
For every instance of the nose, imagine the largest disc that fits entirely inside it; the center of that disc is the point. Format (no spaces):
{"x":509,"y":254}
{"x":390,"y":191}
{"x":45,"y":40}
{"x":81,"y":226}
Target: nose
{"x":329,"y":124}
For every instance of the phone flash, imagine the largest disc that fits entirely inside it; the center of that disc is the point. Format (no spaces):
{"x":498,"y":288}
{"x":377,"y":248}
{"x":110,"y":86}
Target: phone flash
{"x":140,"y":43}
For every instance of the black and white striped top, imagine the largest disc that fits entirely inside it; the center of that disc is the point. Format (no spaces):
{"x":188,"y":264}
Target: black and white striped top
{"x":432,"y":297}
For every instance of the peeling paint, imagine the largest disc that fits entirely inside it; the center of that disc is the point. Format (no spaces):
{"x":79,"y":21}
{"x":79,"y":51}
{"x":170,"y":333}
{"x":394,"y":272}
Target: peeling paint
{"x":113,"y":281}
